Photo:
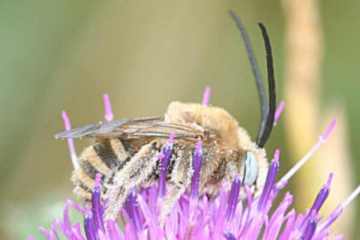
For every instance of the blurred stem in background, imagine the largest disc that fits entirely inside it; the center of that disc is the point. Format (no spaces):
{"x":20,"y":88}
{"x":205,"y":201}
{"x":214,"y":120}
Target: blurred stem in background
{"x":304,"y":53}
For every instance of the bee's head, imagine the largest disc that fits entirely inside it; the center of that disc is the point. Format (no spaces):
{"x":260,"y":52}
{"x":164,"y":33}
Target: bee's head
{"x":254,"y":163}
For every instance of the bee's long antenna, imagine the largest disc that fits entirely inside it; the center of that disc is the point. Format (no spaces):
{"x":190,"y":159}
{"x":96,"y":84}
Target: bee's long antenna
{"x":271,"y":86}
{"x":268,"y":107}
{"x":257,"y":75}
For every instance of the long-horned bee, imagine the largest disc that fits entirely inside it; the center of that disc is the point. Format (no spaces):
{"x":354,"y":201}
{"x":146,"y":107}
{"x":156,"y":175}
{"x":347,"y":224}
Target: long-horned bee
{"x":126,"y":152}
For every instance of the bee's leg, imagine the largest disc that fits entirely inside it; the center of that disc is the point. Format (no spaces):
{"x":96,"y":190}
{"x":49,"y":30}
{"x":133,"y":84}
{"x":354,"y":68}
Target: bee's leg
{"x":180,"y":179}
{"x":133,"y":173}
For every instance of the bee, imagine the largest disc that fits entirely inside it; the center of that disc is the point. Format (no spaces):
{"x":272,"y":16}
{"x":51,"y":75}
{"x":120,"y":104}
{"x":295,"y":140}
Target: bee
{"x":126,"y":152}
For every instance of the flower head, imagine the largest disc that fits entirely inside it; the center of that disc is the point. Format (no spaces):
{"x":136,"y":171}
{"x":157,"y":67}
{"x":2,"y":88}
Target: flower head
{"x":195,"y":216}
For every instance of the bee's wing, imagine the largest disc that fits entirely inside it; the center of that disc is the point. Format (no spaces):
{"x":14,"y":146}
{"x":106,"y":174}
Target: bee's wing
{"x":92,"y":130}
{"x":164,"y":129}
{"x":133,"y":128}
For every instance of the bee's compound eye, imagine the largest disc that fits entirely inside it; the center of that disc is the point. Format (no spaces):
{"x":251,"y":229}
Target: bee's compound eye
{"x":250,"y":169}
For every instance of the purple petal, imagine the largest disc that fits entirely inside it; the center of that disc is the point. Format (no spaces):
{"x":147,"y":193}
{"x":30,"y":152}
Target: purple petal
{"x":279,"y":109}
{"x":331,"y":219}
{"x":164,"y":158}
{"x":309,"y":230}
{"x":270,"y":181}
{"x":322,"y":195}
{"x":289,"y":227}
{"x":97,"y":208}
{"x":76,"y":229}
{"x":233,"y":198}
{"x":278,"y":217}
{"x":151,"y":219}
{"x":48,"y":234}
{"x":70,"y":141}
{"x":109,"y":116}
{"x":197,"y":159}
{"x":89,"y":228}
{"x":329,"y":129}
{"x":113,"y":231}
{"x":206,"y":96}
{"x":132,"y":209}
{"x":229,"y":236}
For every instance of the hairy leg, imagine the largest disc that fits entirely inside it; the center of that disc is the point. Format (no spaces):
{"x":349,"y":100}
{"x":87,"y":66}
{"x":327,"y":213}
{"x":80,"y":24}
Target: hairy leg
{"x":133,"y":174}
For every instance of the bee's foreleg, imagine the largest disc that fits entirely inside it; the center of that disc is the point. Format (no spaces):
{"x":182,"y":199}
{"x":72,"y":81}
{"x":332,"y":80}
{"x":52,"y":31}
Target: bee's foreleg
{"x":180,"y":179}
{"x":133,"y":174}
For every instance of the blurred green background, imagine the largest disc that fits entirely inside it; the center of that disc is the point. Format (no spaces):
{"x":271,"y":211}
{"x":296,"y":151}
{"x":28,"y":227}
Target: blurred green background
{"x":63,"y":55}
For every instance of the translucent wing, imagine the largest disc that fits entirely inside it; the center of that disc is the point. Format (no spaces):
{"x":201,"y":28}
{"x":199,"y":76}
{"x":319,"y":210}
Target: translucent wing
{"x":134,"y":128}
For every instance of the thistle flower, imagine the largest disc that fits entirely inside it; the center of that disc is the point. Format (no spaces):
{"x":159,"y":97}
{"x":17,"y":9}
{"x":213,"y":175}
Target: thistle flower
{"x":195,"y":216}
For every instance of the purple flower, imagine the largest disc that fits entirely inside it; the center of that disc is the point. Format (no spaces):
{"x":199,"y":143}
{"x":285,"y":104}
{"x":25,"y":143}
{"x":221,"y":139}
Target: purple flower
{"x":164,"y":162}
{"x":194,"y":216}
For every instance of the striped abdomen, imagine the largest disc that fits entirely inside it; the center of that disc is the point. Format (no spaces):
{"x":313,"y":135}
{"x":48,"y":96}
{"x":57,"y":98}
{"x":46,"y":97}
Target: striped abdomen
{"x":109,"y":156}
{"x":105,"y":157}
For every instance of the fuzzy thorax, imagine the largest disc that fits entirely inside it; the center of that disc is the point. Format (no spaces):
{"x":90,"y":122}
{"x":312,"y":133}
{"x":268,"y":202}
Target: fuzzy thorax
{"x":207,"y":117}
{"x":229,"y":134}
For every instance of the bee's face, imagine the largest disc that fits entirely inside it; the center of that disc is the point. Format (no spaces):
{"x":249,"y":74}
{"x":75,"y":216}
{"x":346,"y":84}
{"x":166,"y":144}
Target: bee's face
{"x":254,"y":161}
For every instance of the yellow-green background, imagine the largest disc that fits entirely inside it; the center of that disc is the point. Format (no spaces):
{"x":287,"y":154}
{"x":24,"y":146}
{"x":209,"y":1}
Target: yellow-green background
{"x":57,"y":55}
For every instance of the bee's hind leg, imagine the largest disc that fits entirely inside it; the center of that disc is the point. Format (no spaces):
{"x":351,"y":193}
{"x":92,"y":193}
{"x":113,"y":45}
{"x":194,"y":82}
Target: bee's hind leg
{"x":133,"y":174}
